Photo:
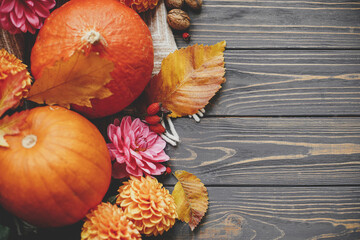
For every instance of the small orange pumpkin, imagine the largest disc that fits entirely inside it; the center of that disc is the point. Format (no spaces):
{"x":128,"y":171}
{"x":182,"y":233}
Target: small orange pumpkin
{"x":109,"y":28}
{"x":55,"y":170}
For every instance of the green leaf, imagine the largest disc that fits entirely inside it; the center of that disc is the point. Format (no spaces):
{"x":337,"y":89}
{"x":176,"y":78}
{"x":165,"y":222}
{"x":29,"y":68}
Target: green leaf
{"x":4,"y":232}
{"x":24,"y":229}
{"x":112,"y":199}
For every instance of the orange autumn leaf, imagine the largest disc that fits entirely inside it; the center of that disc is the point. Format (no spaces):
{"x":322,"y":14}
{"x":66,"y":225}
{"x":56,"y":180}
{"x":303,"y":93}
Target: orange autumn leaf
{"x":12,"y":89}
{"x":191,"y":198}
{"x":188,"y":79}
{"x":11,"y":125}
{"x":74,"y":81}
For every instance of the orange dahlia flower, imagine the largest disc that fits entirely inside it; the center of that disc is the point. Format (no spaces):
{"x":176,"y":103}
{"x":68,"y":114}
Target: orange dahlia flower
{"x":109,"y":222}
{"x":10,"y":65}
{"x":140,"y":5}
{"x":147,"y":204}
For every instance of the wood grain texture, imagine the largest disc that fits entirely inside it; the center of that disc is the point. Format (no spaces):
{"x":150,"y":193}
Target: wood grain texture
{"x":277,"y":24}
{"x":163,"y":38}
{"x":291,"y":177}
{"x":14,"y":44}
{"x":268,"y":151}
{"x":262,"y":213}
{"x":277,"y":213}
{"x":288,"y":82}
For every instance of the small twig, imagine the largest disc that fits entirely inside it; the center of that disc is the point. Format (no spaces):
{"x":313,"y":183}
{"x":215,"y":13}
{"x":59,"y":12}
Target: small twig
{"x":168,"y":140}
{"x":196,"y":117}
{"x":171,"y":137}
{"x":173,"y":130}
{"x":200,"y":114}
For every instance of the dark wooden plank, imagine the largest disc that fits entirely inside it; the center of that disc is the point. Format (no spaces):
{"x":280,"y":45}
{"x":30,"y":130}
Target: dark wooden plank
{"x":289,"y":83}
{"x":277,"y":213}
{"x":277,"y":24}
{"x":268,"y":151}
{"x":262,"y":213}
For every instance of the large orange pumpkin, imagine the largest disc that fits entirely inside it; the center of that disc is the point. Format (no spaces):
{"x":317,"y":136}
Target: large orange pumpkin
{"x":108,"y":27}
{"x":55,"y":170}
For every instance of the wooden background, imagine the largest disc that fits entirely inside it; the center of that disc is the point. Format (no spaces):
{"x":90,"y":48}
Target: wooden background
{"x":279,"y":147}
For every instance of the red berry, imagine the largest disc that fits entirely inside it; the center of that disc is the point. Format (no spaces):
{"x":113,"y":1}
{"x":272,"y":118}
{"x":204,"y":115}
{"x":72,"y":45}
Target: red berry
{"x":153,"y":109}
{"x":186,"y":36}
{"x":168,"y":170}
{"x":158,"y":128}
{"x":153,"y":119}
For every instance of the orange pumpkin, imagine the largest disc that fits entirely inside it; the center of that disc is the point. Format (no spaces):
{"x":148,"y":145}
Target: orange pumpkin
{"x":55,"y":170}
{"x":108,"y":27}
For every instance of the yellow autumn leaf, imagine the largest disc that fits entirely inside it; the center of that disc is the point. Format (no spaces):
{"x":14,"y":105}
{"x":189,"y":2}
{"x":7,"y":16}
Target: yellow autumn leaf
{"x":188,"y":79}
{"x":74,"y":81}
{"x":191,"y":198}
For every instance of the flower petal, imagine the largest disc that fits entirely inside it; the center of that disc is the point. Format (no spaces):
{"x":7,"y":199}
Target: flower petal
{"x":49,"y":4}
{"x":119,"y":170}
{"x":31,"y":17}
{"x":24,"y":28}
{"x":16,"y":21}
{"x":126,"y":124}
{"x":7,"y":6}
{"x":151,"y":165}
{"x":155,"y":169}
{"x":151,"y":138}
{"x":161,"y":157}
{"x":134,"y":172}
{"x":19,"y":10}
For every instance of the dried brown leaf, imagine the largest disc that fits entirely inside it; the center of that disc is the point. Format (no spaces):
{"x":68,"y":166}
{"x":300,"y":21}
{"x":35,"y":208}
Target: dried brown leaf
{"x":11,"y":90}
{"x":74,"y":81}
{"x":188,"y":79}
{"x":11,"y":125}
{"x":191,"y":198}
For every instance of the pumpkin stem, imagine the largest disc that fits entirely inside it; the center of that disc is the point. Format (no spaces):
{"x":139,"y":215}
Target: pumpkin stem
{"x":29,"y":141}
{"x":92,"y":37}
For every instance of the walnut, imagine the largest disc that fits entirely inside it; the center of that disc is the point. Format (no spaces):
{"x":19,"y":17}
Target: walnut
{"x":194,"y":4}
{"x":171,"y":4}
{"x":178,"y":19}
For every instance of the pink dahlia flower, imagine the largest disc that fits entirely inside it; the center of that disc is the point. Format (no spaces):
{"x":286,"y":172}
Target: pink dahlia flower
{"x":135,"y":149}
{"x":24,"y":15}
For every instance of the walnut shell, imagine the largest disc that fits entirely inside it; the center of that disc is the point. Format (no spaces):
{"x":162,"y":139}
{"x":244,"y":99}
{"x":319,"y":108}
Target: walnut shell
{"x":194,"y":4}
{"x":171,"y":4}
{"x":178,"y":19}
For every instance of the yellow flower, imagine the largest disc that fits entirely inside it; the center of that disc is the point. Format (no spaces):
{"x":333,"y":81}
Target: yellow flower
{"x":148,"y":205}
{"x":9,"y":64}
{"x":108,"y":221}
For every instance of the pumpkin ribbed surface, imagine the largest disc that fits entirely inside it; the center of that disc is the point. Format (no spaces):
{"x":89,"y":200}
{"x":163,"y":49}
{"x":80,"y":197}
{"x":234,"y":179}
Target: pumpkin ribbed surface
{"x":55,"y":170}
{"x":148,"y":205}
{"x":108,"y":27}
{"x":108,"y":222}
